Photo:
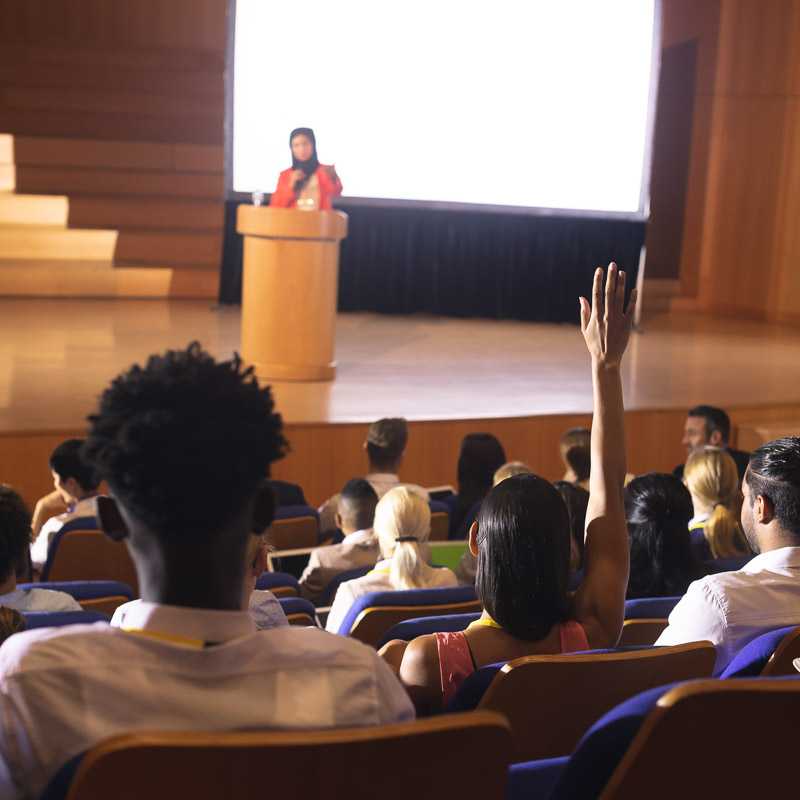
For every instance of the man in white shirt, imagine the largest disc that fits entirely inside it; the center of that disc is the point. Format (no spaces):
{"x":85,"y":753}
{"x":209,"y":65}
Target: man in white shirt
{"x":731,"y":608}
{"x":385,"y":446}
{"x":75,"y":487}
{"x":356,"y":511}
{"x":15,"y":535}
{"x":183,"y":443}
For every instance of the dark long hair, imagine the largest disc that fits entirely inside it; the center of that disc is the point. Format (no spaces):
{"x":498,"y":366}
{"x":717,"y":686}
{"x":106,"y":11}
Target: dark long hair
{"x":480,"y":456}
{"x":577,"y":502}
{"x":310,"y":165}
{"x":523,"y":556}
{"x":658,"y":508}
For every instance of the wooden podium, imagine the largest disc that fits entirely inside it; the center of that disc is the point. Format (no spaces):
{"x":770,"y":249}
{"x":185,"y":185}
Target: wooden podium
{"x":289,"y":287}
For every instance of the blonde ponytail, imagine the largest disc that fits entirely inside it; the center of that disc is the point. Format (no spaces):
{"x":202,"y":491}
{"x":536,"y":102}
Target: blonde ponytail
{"x":403,"y":525}
{"x":723,"y":534}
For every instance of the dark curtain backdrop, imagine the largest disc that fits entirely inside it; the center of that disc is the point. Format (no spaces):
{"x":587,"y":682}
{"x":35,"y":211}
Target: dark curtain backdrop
{"x":465,"y":264}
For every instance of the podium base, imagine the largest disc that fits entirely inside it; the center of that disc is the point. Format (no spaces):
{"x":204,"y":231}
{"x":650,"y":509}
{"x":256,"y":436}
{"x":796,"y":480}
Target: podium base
{"x":294,"y":372}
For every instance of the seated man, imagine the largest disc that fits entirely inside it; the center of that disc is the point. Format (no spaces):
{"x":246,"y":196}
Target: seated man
{"x":575,"y":450}
{"x":708,"y":425}
{"x":15,"y":536}
{"x":183,"y":443}
{"x":731,"y":608}
{"x":75,"y":485}
{"x":385,"y":446}
{"x":357,"y":502}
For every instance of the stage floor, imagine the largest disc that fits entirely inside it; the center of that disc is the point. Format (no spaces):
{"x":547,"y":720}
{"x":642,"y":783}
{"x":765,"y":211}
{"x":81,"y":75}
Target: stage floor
{"x":57,"y":355}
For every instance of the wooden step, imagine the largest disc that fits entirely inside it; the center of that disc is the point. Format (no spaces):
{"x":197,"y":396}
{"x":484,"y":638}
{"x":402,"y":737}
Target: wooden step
{"x":60,"y":180}
{"x":8,"y":178}
{"x":170,"y":248}
{"x":41,"y":242}
{"x":6,"y":148}
{"x":90,"y":211}
{"x":33,"y":209}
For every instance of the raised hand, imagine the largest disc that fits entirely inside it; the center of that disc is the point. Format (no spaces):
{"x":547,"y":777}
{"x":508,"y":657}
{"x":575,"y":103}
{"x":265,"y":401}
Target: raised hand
{"x":606,"y":326}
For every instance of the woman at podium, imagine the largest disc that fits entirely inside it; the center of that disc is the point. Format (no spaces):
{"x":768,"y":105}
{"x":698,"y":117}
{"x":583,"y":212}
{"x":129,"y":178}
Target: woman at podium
{"x":307,"y":184}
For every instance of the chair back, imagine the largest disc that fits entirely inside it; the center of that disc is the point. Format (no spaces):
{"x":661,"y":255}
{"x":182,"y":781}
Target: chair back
{"x":299,"y":611}
{"x":392,"y":762}
{"x":281,"y":584}
{"x":57,"y":619}
{"x":440,"y":521}
{"x":374,"y":613}
{"x":411,"y":628}
{"x":704,"y":723}
{"x":782,"y":661}
{"x":641,"y":632}
{"x":753,"y":658}
{"x":86,"y":555}
{"x":329,"y":592}
{"x":294,"y":527}
{"x":551,"y":701}
{"x":102,"y":596}
{"x":715,"y":565}
{"x":650,"y":607}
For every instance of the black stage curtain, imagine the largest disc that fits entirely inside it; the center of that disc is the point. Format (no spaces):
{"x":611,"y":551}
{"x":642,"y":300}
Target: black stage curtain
{"x":465,"y":264}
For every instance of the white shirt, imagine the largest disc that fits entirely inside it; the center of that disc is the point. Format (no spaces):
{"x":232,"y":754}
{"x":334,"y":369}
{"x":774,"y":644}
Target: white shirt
{"x":83,"y":508}
{"x":377,"y":581}
{"x":63,"y":690}
{"x":39,"y":600}
{"x":731,"y":608}
{"x":264,"y":609}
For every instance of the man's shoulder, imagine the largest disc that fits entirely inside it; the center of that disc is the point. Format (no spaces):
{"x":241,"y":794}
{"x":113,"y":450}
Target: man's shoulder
{"x":310,"y":647}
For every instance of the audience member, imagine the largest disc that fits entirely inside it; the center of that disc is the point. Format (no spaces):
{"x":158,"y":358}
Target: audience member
{"x":576,"y":500}
{"x":521,"y":539}
{"x":575,"y":449}
{"x":658,"y":509}
{"x":354,"y":519}
{"x":509,"y":470}
{"x":402,"y":525}
{"x":712,"y":480}
{"x":708,"y":425}
{"x":75,"y":483}
{"x":15,"y":536}
{"x":385,"y":447}
{"x":480,"y":457}
{"x":183,"y":443}
{"x":731,"y":608}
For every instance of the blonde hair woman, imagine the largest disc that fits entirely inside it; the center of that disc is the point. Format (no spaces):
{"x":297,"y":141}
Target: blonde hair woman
{"x":711,"y":476}
{"x":403,"y":525}
{"x":509,"y":470}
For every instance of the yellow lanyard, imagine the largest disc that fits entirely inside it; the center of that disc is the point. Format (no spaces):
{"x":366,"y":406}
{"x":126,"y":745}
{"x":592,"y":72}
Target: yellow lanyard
{"x":484,"y":621}
{"x":378,"y":572}
{"x":172,"y":638}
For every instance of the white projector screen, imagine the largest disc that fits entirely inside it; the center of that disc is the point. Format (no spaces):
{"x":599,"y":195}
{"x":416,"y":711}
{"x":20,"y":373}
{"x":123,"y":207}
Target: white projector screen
{"x":526,"y":103}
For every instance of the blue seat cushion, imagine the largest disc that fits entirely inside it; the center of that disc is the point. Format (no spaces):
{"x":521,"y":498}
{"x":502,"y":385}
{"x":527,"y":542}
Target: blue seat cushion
{"x":297,"y":605}
{"x":275,"y":580}
{"x":650,"y":607}
{"x":56,"y":619}
{"x":291,"y":512}
{"x":411,"y":628}
{"x":329,"y":592}
{"x":753,"y":657}
{"x":534,"y":779}
{"x":84,"y":590}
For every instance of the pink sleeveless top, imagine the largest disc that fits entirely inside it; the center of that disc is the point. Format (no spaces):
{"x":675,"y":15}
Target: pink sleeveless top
{"x":455,"y":657}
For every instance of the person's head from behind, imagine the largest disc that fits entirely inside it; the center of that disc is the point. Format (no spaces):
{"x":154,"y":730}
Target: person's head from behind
{"x":711,"y":476}
{"x":403,"y":524}
{"x":15,"y":536}
{"x":356,"y":506}
{"x":575,"y":449}
{"x":184,"y":444}
{"x":73,"y":476}
{"x":658,"y":508}
{"x":303,"y":144}
{"x":480,"y":457}
{"x":386,"y":443}
{"x":771,"y":487}
{"x":509,"y":470}
{"x":521,"y":540}
{"x":576,"y":500}
{"x":706,"y":425}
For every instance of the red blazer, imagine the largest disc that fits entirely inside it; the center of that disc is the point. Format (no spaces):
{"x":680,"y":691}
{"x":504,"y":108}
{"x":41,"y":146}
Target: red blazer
{"x":283,"y":196}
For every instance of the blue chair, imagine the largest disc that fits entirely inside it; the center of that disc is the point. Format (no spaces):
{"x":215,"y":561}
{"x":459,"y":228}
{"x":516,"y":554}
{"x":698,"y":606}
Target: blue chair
{"x":411,"y":628}
{"x":650,"y":607}
{"x":281,"y":584}
{"x":294,"y":527}
{"x":715,"y":565}
{"x":754,"y":658}
{"x":458,"y":529}
{"x":102,"y":596}
{"x":374,"y":613}
{"x":299,"y":611}
{"x":327,"y":595}
{"x":440,"y":521}
{"x":699,"y":545}
{"x":56,"y":619}
{"x":81,"y":524}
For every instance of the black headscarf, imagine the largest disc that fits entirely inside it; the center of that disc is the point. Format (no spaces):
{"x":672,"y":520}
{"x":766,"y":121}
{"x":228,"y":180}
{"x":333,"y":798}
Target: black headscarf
{"x":310,"y":165}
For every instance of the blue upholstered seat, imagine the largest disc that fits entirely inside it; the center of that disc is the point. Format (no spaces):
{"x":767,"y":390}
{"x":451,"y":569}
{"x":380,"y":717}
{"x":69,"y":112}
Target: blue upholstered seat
{"x":439,"y":507}
{"x":297,"y":605}
{"x":55,"y":619}
{"x":726,"y":564}
{"x":753,"y":657}
{"x":411,"y":597}
{"x":85,"y":590}
{"x":650,"y":607}
{"x":77,"y":524}
{"x":329,"y":592}
{"x":411,"y":628}
{"x":277,"y":580}
{"x":532,"y":780}
{"x":291,"y":512}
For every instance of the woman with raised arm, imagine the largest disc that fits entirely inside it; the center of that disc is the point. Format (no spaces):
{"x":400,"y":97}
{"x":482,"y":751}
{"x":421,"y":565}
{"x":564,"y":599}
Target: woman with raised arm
{"x":521,"y":539}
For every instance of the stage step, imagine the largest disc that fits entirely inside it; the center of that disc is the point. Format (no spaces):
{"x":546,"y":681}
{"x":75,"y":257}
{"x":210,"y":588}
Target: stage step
{"x":28,"y":242}
{"x":33,"y":209}
{"x":8,"y":178}
{"x":58,"y":278}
